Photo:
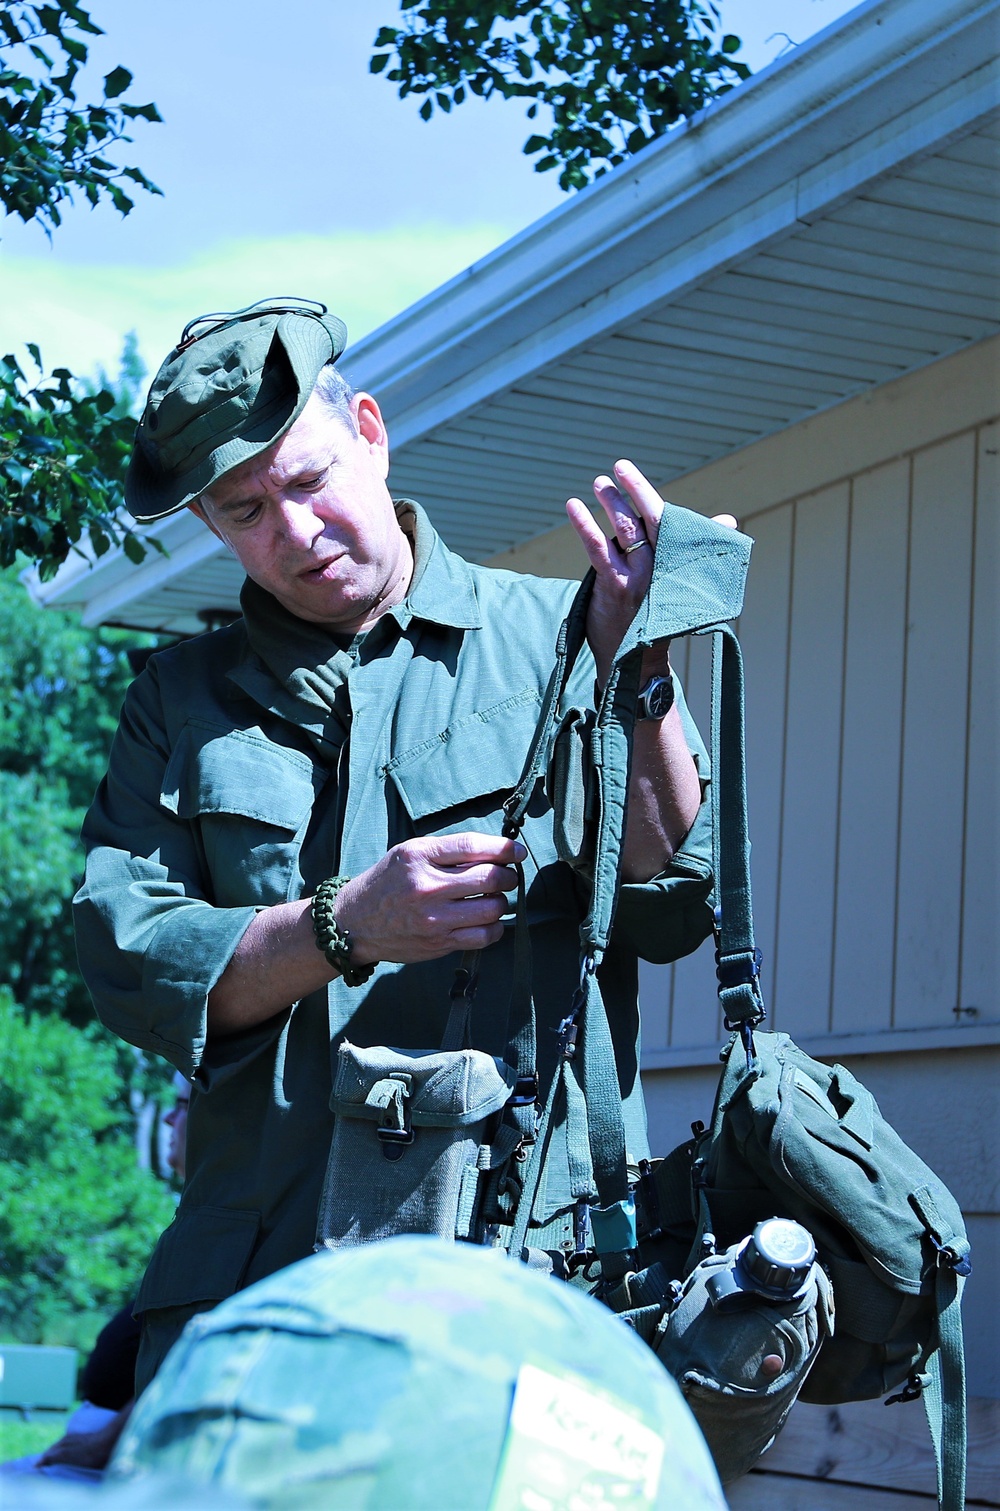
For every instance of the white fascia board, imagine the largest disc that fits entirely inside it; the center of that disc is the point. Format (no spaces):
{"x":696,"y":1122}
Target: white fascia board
{"x":139,"y":581}
{"x":112,"y":581}
{"x":886,"y":60}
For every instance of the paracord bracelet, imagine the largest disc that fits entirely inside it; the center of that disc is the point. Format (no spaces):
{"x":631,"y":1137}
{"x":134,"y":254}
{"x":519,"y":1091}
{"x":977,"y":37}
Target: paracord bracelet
{"x":334,"y":941}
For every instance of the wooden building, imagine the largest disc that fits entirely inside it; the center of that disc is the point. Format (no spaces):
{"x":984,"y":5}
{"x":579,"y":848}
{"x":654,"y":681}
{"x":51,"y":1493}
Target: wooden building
{"x":787,"y":309}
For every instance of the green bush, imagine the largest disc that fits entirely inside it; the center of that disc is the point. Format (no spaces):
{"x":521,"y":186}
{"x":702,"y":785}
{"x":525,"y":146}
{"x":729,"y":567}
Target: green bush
{"x":77,"y":1217}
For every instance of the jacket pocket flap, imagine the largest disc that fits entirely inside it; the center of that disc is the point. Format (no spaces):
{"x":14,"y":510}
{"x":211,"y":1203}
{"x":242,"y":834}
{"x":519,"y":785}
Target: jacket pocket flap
{"x":240,"y":772}
{"x":481,"y":753}
{"x":443,"y":1088}
{"x":202,"y":1256}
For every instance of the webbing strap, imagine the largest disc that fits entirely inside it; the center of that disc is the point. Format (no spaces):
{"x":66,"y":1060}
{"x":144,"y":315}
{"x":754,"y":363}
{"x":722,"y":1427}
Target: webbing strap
{"x":698,"y":577}
{"x":569,"y":643}
{"x":603,"y":1099}
{"x":737,"y":958}
{"x":944,"y":1392}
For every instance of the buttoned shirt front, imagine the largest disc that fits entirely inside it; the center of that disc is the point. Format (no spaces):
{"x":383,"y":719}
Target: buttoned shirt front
{"x":254,"y":761}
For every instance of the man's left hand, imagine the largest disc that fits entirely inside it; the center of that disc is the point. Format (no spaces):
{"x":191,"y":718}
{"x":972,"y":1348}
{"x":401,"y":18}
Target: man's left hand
{"x":624,"y":564}
{"x":664,"y":788}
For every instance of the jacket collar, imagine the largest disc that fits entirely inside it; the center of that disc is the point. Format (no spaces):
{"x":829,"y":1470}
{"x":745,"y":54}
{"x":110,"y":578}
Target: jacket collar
{"x":295,"y":668}
{"x":442,"y":589}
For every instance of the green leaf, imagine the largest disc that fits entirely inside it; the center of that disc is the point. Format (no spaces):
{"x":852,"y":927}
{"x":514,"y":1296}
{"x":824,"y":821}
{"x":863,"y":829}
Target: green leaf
{"x":116,"y":83}
{"x":730,"y":43}
{"x":133,"y":548}
{"x":426,"y":110}
{"x":141,"y":112}
{"x":378,"y":62}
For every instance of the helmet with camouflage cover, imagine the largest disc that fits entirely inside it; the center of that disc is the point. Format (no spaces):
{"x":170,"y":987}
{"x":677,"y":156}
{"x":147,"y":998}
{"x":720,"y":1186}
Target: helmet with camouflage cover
{"x":421,"y":1374}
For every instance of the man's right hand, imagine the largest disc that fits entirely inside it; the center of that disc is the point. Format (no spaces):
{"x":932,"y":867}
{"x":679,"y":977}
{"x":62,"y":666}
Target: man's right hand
{"x":429,"y":897}
{"x":424,"y":899}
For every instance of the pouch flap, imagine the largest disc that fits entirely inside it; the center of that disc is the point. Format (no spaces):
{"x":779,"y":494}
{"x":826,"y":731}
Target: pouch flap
{"x":202,"y":1256}
{"x":215,"y":770}
{"x":863,"y":1187}
{"x":481,"y":753}
{"x":443,"y":1088}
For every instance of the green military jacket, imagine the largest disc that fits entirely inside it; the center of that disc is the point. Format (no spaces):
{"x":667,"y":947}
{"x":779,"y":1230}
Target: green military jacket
{"x":232,"y":787}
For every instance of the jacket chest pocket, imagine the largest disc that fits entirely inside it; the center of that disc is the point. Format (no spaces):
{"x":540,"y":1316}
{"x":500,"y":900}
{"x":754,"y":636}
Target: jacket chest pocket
{"x":249,"y":801}
{"x":458,"y":778}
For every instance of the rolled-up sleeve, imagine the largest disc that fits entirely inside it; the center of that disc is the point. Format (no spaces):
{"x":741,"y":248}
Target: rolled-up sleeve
{"x":151,"y":942}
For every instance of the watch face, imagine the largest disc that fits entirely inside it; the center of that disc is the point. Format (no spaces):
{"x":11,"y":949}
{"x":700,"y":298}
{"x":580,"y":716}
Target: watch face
{"x":659,"y":697}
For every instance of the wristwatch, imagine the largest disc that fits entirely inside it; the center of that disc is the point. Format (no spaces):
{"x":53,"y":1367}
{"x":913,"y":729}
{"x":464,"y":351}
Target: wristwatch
{"x":656,"y":699}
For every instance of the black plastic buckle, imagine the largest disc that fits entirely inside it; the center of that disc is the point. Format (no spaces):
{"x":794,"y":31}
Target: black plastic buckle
{"x":738,"y":970}
{"x":525,"y":1093}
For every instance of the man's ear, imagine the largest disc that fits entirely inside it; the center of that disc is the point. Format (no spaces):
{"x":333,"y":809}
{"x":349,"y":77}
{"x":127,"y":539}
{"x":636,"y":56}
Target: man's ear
{"x":371,"y":429}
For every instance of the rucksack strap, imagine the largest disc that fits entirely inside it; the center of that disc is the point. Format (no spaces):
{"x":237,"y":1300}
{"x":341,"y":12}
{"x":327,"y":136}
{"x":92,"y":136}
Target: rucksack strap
{"x":944,"y":1387}
{"x":944,"y":1392}
{"x":699,"y":573}
{"x":737,"y":958}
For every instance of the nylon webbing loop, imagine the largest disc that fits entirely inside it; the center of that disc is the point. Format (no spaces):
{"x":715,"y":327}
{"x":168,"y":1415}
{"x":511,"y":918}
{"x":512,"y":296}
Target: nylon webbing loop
{"x":738,"y":960}
{"x":569,"y":643}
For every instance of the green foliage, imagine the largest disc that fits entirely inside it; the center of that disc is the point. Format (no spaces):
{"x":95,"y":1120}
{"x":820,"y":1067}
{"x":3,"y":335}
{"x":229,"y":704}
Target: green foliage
{"x":50,"y":146}
{"x":615,"y":75}
{"x":63,"y":455}
{"x":61,"y":688}
{"x":77,"y":1218}
{"x":18,"y":1437}
{"x":64,"y":445}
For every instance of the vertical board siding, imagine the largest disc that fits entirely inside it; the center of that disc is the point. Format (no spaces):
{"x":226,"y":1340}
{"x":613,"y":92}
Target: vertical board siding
{"x":932,"y":799}
{"x":871,"y":642}
{"x":870,"y":751}
{"x":801,"y":994}
{"x":979,"y":981}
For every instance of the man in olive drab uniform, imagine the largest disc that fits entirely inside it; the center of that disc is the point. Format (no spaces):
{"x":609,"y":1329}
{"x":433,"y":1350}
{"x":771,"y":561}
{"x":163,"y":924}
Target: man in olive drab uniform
{"x":365,"y":718}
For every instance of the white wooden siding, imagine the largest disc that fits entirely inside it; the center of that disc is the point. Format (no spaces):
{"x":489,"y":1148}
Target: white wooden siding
{"x":870,"y":633}
{"x":979,"y":972}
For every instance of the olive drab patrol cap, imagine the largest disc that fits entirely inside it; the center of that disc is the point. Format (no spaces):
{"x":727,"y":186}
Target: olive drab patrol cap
{"x":420,"y":1374}
{"x":231,"y":387}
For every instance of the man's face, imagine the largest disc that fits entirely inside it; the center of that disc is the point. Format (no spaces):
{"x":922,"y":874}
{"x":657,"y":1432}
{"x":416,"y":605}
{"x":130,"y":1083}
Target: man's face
{"x":311,"y":519}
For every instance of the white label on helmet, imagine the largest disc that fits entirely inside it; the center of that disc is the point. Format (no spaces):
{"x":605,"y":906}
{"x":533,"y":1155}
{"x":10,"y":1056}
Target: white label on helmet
{"x":571,"y":1447}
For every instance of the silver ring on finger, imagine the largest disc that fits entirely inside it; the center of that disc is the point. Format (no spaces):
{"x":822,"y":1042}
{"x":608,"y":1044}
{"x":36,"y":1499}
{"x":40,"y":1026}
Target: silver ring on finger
{"x":636,"y":545}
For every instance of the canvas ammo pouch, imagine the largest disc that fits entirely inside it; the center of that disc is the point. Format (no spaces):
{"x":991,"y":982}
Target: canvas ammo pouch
{"x":409,"y":1152}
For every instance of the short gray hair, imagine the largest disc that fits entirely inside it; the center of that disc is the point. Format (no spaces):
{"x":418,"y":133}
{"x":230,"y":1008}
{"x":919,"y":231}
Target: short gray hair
{"x":334,"y":391}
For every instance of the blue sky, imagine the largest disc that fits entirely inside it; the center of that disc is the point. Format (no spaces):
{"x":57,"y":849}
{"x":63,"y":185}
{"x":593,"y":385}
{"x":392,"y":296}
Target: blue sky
{"x":287,"y":167}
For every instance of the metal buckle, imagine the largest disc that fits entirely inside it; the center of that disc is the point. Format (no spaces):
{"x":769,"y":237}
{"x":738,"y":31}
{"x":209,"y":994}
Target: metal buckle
{"x":948,"y":1259}
{"x":911,"y":1391}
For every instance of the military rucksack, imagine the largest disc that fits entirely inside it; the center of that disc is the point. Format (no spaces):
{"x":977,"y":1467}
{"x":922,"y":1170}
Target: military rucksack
{"x":789,"y":1137}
